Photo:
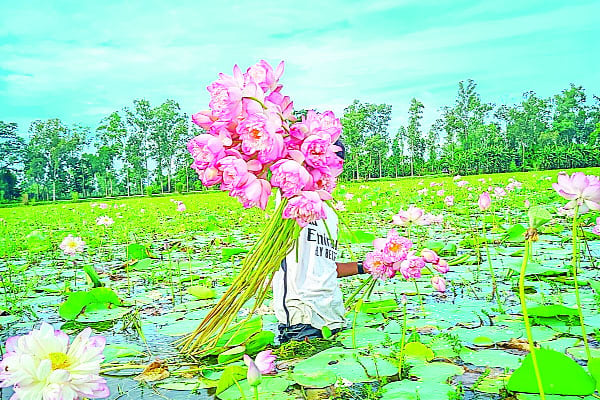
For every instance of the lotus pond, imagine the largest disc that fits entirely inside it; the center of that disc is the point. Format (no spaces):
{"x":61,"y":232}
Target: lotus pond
{"x":151,"y":276}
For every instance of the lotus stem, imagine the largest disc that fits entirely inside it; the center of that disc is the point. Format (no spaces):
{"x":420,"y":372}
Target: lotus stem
{"x":574,"y":259}
{"x":526,"y":318}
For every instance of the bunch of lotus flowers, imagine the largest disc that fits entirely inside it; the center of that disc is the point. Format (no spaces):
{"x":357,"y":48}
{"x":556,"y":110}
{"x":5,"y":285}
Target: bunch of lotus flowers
{"x":44,"y":365}
{"x":395,"y":254}
{"x":254,"y":143}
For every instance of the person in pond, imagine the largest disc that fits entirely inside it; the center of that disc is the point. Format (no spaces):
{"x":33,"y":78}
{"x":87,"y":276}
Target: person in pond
{"x":306,"y":294}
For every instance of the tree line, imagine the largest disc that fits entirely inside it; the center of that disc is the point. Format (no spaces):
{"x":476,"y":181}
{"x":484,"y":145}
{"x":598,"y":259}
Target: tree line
{"x":473,"y":137}
{"x":141,"y":149}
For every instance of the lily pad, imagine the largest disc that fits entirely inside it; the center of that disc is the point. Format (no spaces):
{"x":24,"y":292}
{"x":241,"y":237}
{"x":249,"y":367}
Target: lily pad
{"x":416,"y":390}
{"x":559,"y":375}
{"x":348,"y":364}
{"x":491,"y":358}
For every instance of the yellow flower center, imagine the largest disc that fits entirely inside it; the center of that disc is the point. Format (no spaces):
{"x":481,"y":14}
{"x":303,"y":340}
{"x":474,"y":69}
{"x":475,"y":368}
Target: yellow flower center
{"x":59,"y":360}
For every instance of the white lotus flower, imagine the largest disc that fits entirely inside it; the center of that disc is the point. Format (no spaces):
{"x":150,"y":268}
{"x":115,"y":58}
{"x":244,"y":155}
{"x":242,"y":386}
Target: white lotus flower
{"x":72,"y":245}
{"x":43,"y":365}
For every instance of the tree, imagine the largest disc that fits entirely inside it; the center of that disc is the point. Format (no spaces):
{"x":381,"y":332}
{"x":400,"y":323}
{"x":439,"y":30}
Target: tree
{"x":413,"y":132}
{"x":137,"y":144}
{"x":360,"y":122}
{"x":52,"y":150}
{"x":168,"y":137}
{"x":111,"y":137}
{"x":12,"y":147}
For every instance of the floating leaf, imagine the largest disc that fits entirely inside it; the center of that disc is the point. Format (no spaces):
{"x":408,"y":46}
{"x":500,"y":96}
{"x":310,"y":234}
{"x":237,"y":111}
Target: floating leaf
{"x":381,"y":306}
{"x":436,"y":371}
{"x":315,"y":379}
{"x":559,"y":374}
{"x":228,"y":252}
{"x":419,"y":351}
{"x":491,"y":358}
{"x":416,"y":390}
{"x":552,"y":310}
{"x":202,"y":292}
{"x":348,"y":364}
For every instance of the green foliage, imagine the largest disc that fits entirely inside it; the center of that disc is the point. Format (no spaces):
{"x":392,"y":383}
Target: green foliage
{"x":96,"y":298}
{"x":559,"y":373}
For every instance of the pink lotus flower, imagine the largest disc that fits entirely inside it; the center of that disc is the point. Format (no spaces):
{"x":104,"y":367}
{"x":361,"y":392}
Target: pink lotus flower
{"x":499,"y":192}
{"x":72,"y":245}
{"x":596,"y":229}
{"x":438,"y":283}
{"x":413,"y":215}
{"x":321,"y":181}
{"x":44,"y":365}
{"x":258,"y":135}
{"x":456,"y":178}
{"x":441,"y":266}
{"x":103,"y":206}
{"x":263,"y":75}
{"x":462,"y":183}
{"x":412,"y":266}
{"x":485,"y":201}
{"x":430,"y":256}
{"x":349,"y":196}
{"x":265,"y":362}
{"x":376,"y":265}
{"x":394,"y":247}
{"x":210,"y":176}
{"x":226,"y":95}
{"x":422,"y":192}
{"x":235,"y":172}
{"x":582,"y":190}
{"x":180,"y":206}
{"x":253,"y":193}
{"x":527,"y":203}
{"x":440,"y":192}
{"x":289,"y":176}
{"x":206,"y":150}
{"x":305,"y":207}
{"x":253,"y":375}
{"x":449,"y":201}
{"x":316,"y":150}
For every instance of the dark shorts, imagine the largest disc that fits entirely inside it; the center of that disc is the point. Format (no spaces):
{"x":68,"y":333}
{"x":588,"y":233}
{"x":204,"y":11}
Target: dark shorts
{"x":299,"y":332}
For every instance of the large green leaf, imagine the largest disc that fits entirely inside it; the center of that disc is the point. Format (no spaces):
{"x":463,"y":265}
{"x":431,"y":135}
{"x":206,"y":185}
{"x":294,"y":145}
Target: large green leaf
{"x":136,"y":251}
{"x":231,"y":375}
{"x":416,"y":390}
{"x":559,"y":374}
{"x":228,"y":252}
{"x":380,"y":306}
{"x":259,"y":341}
{"x":436,"y":371}
{"x":348,"y":364}
{"x":551,"y":311}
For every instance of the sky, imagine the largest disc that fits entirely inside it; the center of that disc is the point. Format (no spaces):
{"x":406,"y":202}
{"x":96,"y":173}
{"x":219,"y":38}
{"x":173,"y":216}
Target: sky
{"x":81,"y":60}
